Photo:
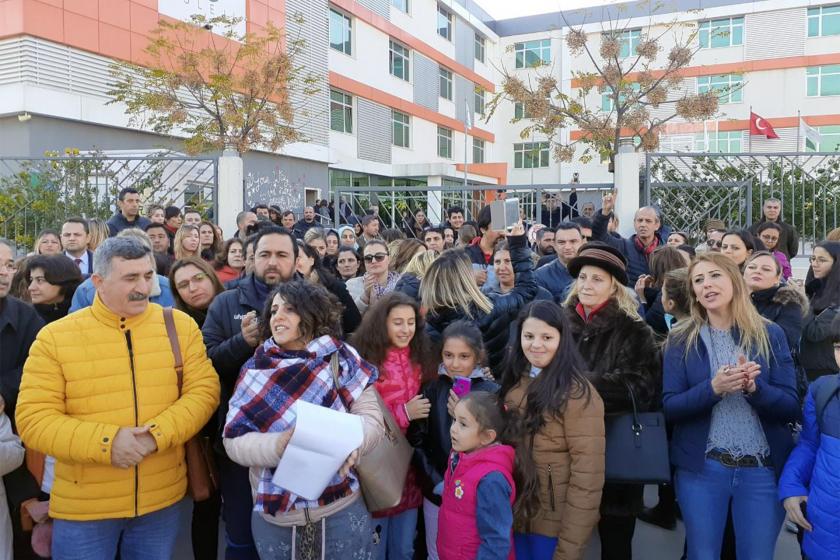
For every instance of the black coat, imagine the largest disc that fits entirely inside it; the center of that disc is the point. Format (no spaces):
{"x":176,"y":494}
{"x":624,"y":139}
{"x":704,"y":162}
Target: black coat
{"x":430,"y":437}
{"x":619,"y":350}
{"x":654,"y":312}
{"x":788,"y":238}
{"x":816,"y":348}
{"x":19,"y":324}
{"x":494,"y":325}
{"x":409,"y":284}
{"x":785,"y":306}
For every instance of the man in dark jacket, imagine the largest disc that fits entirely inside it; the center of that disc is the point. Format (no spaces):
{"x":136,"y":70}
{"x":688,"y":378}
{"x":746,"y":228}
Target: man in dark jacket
{"x":554,"y":276}
{"x":19,"y":323}
{"x":308,"y":222}
{"x":128,"y":215}
{"x":789,"y":237}
{"x":232,"y":331}
{"x":640,"y":246}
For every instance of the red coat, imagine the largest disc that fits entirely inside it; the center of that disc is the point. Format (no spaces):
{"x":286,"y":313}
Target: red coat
{"x":226,"y":274}
{"x":398,"y":383}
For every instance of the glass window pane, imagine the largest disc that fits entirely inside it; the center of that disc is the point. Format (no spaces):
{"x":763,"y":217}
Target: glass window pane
{"x":517,"y":160}
{"x":831,"y":24}
{"x":704,"y":37}
{"x":830,"y":84}
{"x":812,"y":86}
{"x":813,"y":26}
{"x":737,"y":35}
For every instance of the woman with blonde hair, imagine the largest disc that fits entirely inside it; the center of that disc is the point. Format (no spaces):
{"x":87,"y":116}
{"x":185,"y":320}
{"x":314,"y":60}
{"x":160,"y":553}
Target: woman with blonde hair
{"x":729,"y":391}
{"x":621,"y":356}
{"x":317,"y":239}
{"x":450,"y":294}
{"x":187,"y":242}
{"x":99,"y":232}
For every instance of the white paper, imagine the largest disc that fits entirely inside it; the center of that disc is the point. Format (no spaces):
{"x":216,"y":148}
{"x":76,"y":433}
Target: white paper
{"x":322,"y":441}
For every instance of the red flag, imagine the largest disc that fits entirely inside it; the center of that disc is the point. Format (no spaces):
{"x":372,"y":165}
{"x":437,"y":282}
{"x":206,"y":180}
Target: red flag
{"x":760,"y":127}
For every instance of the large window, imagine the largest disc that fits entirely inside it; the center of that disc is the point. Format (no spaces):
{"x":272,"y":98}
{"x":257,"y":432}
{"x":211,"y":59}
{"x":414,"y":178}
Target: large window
{"x":398,"y":61}
{"x":341,"y":112}
{"x":401,"y":5}
{"x":726,"y":32}
{"x":402,"y":129}
{"x":823,"y":21}
{"x":445,"y":83}
{"x":444,"y":136}
{"x":531,"y":54}
{"x":478,"y":150}
{"x":479,"y":48}
{"x":718,"y":142}
{"x":629,"y":40}
{"x":529,"y":155}
{"x":341,"y":32}
{"x":823,"y":80}
{"x":479,"y":100}
{"x":607,"y":103}
{"x":728,"y":85}
{"x":829,"y":140}
{"x":444,"y":23}
{"x":519,"y":111}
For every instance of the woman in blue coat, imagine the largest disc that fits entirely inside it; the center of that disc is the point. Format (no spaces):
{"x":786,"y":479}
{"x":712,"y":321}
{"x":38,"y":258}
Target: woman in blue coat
{"x":729,"y":390}
{"x":812,"y":472}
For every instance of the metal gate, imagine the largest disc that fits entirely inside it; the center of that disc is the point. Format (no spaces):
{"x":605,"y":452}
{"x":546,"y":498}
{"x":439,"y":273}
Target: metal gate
{"x":39,"y":193}
{"x":691,"y":187}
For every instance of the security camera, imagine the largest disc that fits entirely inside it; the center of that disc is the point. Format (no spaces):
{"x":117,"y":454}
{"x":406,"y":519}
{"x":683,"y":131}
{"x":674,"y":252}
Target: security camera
{"x":24,"y":117}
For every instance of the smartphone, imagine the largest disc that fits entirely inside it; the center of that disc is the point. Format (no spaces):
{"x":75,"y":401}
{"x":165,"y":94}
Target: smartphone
{"x":462,"y":386}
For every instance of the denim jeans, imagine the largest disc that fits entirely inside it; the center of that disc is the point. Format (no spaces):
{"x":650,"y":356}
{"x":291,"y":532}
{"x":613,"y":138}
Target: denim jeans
{"x":147,"y":537}
{"x":348,"y":535}
{"x":530,"y":546}
{"x":237,"y":505}
{"x":396,"y":535}
{"x":430,"y":516}
{"x":757,"y":513}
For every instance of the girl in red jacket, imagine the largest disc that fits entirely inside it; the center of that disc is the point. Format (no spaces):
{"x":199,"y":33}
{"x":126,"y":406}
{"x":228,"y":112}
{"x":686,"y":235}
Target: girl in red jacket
{"x":392,"y":338}
{"x":479,"y":492}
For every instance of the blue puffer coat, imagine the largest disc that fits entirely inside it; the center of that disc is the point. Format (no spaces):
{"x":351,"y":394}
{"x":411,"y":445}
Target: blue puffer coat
{"x":813,"y":470}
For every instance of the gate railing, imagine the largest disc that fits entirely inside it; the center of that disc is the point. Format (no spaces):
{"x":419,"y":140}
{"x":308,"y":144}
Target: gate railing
{"x":39,"y":193}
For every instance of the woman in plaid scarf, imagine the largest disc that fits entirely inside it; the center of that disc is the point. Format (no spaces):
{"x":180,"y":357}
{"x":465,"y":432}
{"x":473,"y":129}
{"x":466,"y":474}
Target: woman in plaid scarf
{"x":301,"y":323}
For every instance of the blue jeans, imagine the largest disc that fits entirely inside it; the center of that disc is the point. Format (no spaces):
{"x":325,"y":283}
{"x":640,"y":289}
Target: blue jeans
{"x":148,"y":537}
{"x":396,"y":535}
{"x":704,"y":499}
{"x":237,"y":505}
{"x":529,"y":546}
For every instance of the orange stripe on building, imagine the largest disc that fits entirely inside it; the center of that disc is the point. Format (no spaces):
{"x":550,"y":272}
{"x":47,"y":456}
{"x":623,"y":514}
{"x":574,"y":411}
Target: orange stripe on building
{"x":744,"y":67}
{"x":382,"y":24}
{"x":377,"y":95}
{"x":497,"y":170}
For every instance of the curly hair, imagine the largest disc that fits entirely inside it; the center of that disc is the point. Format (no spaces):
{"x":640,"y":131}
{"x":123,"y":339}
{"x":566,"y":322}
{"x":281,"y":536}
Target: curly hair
{"x":319,"y":310}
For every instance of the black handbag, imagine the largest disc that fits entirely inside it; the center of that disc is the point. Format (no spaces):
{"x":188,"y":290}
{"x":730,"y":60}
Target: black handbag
{"x":636,"y":447}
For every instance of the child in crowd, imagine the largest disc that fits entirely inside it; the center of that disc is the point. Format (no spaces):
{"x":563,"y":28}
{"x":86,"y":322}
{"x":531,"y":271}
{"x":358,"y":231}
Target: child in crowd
{"x":476,"y":513}
{"x":11,"y":457}
{"x":675,"y":296}
{"x":462,"y":357}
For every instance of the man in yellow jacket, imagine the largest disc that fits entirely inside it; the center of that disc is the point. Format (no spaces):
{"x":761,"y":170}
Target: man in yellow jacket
{"x":100,"y":394}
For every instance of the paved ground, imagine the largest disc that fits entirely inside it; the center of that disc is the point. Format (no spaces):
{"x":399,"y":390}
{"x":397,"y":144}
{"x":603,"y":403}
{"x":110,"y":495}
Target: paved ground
{"x":650,"y":543}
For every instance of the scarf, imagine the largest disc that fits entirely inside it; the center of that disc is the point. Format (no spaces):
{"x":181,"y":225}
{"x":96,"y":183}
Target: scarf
{"x":646,"y":251}
{"x":388,"y":287}
{"x":269,"y":385}
{"x":582,"y":312}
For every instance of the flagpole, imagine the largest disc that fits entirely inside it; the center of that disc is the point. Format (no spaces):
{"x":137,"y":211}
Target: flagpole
{"x":467,"y":125}
{"x":749,"y":133}
{"x":798,"y":130}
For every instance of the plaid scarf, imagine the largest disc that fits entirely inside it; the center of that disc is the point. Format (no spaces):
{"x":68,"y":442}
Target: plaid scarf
{"x":646,"y":251}
{"x":270,"y":383}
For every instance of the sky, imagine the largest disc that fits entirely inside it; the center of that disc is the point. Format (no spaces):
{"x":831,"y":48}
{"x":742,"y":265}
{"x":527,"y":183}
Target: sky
{"x":504,"y":9}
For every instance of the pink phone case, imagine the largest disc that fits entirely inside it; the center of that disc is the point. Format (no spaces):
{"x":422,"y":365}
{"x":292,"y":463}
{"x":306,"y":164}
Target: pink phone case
{"x":462,"y":386}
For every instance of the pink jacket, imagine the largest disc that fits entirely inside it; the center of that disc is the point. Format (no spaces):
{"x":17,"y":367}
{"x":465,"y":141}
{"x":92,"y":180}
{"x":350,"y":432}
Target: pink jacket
{"x":398,"y":383}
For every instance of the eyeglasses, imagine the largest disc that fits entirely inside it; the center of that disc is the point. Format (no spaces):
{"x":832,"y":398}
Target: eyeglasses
{"x":820,"y":260}
{"x":713,"y":243}
{"x":200,"y":277}
{"x":585,"y":238}
{"x":378,"y":257}
{"x":10,"y":266}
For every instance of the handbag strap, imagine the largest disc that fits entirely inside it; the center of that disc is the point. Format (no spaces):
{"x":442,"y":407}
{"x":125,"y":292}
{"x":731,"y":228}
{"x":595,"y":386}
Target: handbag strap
{"x":637,"y":424}
{"x":172,"y":333}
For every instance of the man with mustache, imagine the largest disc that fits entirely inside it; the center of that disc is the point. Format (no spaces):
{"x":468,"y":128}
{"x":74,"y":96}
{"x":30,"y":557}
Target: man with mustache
{"x":232,"y":333}
{"x":102,"y":394}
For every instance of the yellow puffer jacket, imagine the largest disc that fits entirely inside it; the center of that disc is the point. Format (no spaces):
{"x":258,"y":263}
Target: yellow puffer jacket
{"x":93,"y":372}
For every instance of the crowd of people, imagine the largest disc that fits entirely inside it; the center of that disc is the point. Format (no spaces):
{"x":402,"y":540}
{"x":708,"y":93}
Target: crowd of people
{"x":501,"y":356}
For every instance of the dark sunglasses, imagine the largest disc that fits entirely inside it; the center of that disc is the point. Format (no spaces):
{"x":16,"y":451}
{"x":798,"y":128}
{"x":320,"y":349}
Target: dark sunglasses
{"x":378,"y":257}
{"x":713,"y":243}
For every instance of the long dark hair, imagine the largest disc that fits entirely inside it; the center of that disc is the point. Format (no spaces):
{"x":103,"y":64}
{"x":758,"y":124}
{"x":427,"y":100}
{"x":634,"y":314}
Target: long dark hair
{"x":221,"y":259}
{"x":319,"y":310}
{"x":563,"y":378}
{"x":59,"y":271}
{"x":371,"y":338}
{"x":490,"y":413}
{"x":825,"y":292}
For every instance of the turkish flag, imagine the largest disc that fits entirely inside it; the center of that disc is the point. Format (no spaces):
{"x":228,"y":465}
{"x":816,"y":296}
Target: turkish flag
{"x":760,"y":127}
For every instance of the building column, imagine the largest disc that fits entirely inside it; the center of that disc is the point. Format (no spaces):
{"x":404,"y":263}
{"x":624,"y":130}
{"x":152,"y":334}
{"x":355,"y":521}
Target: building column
{"x":434,"y":210}
{"x":231,"y":193}
{"x":626,"y":185}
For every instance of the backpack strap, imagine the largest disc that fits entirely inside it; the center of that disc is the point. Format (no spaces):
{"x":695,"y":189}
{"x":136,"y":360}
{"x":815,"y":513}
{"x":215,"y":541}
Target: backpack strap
{"x":172,"y":333}
{"x":824,"y":392}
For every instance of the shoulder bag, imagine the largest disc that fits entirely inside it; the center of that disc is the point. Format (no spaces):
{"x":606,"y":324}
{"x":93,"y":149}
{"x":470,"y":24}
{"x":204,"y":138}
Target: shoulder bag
{"x":202,"y":475}
{"x":636,"y":447}
{"x":381,"y":471}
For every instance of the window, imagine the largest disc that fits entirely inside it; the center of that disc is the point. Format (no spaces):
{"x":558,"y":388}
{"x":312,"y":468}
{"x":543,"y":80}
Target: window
{"x":823,"y":21}
{"x":479,"y":48}
{"x":445,"y":83}
{"x":726,"y":32}
{"x":444,"y":136}
{"x":478,"y":150}
{"x":629,"y":40}
{"x":401,"y":5}
{"x":519,"y":111}
{"x":531,"y":54}
{"x":823,"y":80}
{"x":444,"y":24}
{"x":529,"y":155}
{"x":398,"y":58}
{"x":479,"y":101}
{"x":341,"y":32}
{"x":720,"y":142}
{"x":729,"y":86}
{"x":829,"y":140}
{"x":607,"y":99}
{"x":341,"y":112}
{"x":402,"y":129}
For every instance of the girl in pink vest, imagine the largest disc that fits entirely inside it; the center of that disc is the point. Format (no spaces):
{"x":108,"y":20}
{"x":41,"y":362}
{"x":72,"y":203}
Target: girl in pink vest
{"x":476,"y":513}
